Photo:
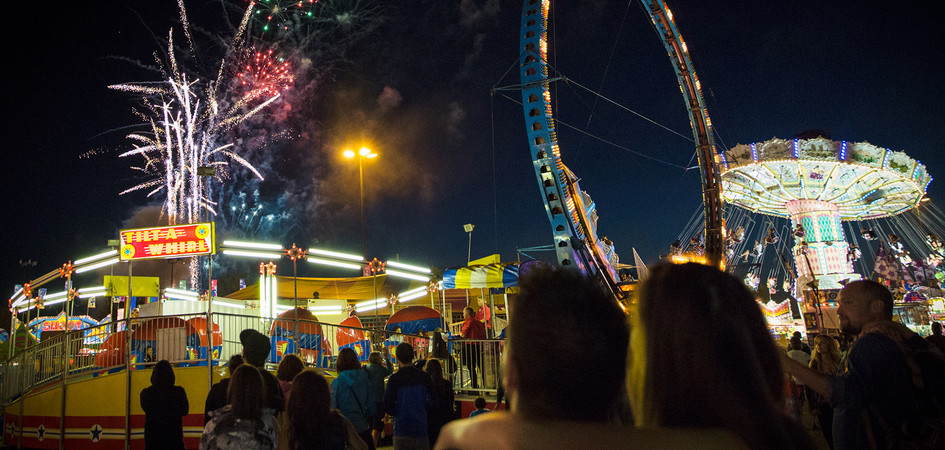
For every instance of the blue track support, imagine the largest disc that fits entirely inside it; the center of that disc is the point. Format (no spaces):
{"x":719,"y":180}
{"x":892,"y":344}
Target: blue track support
{"x":568,"y":208}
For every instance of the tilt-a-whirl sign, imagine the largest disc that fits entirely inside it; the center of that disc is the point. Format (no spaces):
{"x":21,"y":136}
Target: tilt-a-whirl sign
{"x":167,"y":242}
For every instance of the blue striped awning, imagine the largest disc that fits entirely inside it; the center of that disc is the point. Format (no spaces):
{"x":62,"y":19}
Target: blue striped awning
{"x":481,"y":276}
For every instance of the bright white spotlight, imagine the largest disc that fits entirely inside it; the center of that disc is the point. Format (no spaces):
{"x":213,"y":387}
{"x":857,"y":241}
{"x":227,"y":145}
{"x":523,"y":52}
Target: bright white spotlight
{"x":97,"y":265}
{"x":95,"y":258}
{"x":252,"y":254}
{"x":256,"y":245}
{"x":413,"y":291}
{"x":408,"y":267}
{"x":371,"y":307}
{"x":328,"y":262}
{"x":409,"y":297}
{"x":179,"y":294}
{"x":411,"y":276}
{"x":55,"y":302}
{"x":332,"y":254}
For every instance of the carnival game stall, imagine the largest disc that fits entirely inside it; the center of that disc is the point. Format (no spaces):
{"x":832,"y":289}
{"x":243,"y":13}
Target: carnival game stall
{"x":780,"y":321}
{"x":914,"y":311}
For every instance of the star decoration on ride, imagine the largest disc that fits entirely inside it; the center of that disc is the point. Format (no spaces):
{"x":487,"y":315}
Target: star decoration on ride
{"x":377,"y":266}
{"x":41,"y":432}
{"x":295,"y":253}
{"x":66,"y":270}
{"x":267,"y":269}
{"x":95,"y":433}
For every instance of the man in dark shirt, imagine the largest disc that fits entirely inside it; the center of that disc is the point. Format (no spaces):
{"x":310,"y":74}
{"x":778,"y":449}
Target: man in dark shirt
{"x":797,"y":337}
{"x":936,"y":338}
{"x":216,"y":398}
{"x":874,"y":378}
{"x":408,"y":399}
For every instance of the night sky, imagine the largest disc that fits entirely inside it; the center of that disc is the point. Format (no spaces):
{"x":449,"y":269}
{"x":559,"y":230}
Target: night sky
{"x":417,"y":90}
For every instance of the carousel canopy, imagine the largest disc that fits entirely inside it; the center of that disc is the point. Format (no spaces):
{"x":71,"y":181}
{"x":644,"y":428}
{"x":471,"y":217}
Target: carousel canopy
{"x":864,"y":181}
{"x":481,"y":276}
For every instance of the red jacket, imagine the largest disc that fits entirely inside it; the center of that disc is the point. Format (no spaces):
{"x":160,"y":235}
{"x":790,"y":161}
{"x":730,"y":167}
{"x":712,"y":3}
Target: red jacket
{"x":485,"y":315}
{"x":473,"y":329}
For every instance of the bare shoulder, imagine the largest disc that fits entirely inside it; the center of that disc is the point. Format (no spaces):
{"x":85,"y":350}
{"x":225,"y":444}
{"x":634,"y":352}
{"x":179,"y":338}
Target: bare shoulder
{"x":500,"y":430}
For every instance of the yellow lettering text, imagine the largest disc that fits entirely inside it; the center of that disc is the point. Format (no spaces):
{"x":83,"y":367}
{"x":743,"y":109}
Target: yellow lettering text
{"x":155,"y":249}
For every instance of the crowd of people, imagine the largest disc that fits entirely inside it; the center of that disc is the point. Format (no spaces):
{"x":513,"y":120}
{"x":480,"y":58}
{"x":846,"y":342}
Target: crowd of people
{"x":694,"y":366}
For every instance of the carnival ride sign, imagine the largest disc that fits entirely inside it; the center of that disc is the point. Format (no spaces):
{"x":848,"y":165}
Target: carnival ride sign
{"x":167,"y":242}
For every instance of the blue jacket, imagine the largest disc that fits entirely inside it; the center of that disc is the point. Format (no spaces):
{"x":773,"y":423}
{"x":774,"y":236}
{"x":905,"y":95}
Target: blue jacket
{"x":351,"y":393}
{"x":407,"y":398}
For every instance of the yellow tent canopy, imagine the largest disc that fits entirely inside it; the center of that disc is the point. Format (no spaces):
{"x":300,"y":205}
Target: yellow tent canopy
{"x":355,"y":288}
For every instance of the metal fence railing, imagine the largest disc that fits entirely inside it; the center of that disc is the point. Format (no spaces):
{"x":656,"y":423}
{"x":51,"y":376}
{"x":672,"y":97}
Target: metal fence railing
{"x":186,"y":340}
{"x":190,"y":340}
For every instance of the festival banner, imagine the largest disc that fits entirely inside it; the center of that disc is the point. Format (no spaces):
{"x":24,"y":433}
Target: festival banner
{"x":167,"y":242}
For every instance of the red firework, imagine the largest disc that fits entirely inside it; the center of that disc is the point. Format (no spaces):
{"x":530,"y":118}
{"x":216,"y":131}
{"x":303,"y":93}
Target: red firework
{"x":264,"y":75}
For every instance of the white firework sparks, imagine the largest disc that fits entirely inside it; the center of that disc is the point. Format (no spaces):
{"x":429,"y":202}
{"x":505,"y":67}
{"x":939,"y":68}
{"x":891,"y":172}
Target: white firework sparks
{"x":187,"y":132}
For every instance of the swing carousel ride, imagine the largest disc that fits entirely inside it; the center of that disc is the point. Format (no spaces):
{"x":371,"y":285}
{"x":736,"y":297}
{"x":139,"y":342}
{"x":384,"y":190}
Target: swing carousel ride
{"x":800,"y":193}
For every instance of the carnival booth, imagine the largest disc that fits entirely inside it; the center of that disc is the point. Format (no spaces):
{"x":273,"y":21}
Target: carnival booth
{"x":354,"y":337}
{"x":311,"y":340}
{"x":22,"y":339}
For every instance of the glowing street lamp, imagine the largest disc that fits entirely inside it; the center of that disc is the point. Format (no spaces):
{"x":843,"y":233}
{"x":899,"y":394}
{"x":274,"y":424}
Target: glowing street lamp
{"x":362,"y":154}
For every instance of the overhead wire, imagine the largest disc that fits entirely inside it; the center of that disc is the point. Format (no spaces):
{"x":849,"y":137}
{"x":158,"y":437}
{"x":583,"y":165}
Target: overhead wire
{"x":593,"y":136}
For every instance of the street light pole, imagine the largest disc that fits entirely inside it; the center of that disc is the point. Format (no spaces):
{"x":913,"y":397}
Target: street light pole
{"x":361,"y":191}
{"x":469,"y":228}
{"x":363,"y":153}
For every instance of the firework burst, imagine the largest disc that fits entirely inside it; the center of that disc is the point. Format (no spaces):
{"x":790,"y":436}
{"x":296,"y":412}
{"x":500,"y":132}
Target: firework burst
{"x":262,"y":75}
{"x":282,"y":14}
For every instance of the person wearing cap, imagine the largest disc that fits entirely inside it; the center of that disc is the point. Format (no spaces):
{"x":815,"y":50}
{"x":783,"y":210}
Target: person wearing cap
{"x":255,"y":352}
